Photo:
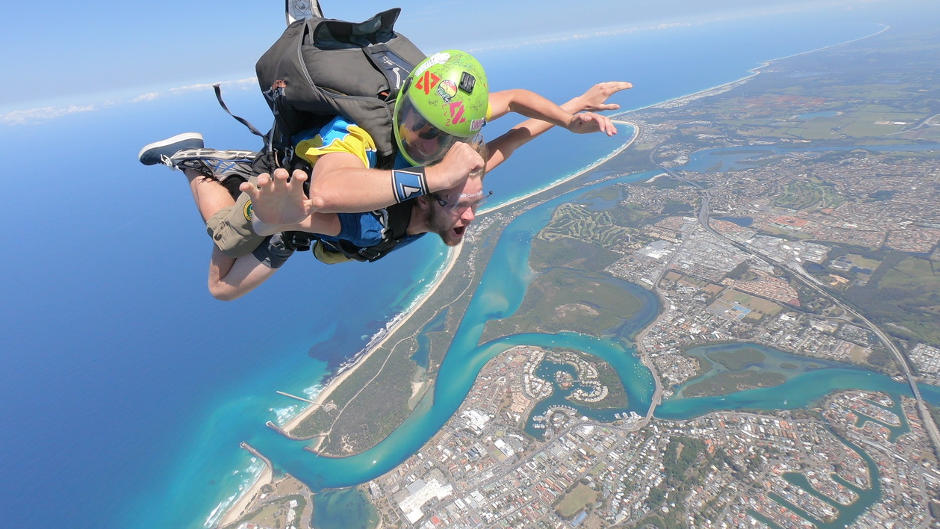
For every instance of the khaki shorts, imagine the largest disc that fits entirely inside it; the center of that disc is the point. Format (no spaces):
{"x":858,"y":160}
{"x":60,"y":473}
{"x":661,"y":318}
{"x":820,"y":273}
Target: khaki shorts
{"x":230,"y":229}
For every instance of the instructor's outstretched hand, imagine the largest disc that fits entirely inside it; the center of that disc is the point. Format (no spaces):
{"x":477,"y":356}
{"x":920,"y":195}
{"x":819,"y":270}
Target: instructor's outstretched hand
{"x":595,"y":99}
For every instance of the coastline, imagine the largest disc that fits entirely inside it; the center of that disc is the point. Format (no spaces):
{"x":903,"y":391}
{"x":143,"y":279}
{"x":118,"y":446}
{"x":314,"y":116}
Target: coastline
{"x":245,"y":499}
{"x":237,"y":510}
{"x":334,"y":382}
{"x":577,"y":173}
{"x":340,"y":377}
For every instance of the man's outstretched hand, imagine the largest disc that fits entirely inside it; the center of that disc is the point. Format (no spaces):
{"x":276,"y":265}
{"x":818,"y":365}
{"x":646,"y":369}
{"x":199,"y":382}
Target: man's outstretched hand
{"x":279,"y":201}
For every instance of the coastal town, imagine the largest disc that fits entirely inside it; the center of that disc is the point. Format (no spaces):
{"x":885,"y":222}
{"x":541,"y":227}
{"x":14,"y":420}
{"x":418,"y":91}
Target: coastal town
{"x":781,"y":235}
{"x":720,"y":470}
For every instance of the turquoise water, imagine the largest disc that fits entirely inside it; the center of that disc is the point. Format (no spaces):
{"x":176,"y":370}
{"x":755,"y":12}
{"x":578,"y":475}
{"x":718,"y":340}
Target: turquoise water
{"x":499,"y":295}
{"x":846,"y":513}
{"x":127,"y":389}
{"x":343,"y":509}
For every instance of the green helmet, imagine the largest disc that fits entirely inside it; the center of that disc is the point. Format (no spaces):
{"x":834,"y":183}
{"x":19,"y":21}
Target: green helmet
{"x":444,"y":100}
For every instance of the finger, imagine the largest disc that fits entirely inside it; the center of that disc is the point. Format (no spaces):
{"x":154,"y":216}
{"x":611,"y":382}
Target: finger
{"x":620,"y":85}
{"x":280,"y":178}
{"x":608,"y":106}
{"x":299,"y":176}
{"x":250,"y":190}
{"x":263,"y":179}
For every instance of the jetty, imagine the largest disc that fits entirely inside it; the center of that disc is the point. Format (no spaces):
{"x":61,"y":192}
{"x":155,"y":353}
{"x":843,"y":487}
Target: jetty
{"x":286,"y":394}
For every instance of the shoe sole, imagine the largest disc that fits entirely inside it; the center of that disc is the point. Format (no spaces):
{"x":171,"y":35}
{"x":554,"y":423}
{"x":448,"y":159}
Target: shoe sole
{"x":163,"y":143}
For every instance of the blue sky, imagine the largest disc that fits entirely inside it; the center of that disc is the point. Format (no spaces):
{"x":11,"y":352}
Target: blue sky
{"x":105,"y":53}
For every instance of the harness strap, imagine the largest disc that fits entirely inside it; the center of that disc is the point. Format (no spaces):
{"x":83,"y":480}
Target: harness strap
{"x":395,"y":218}
{"x":218,"y":95}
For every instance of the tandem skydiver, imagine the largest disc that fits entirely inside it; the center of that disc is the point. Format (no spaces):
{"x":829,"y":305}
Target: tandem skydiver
{"x":353,"y":211}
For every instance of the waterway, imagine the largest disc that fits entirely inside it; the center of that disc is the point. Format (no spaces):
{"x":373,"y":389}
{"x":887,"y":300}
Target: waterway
{"x":738,"y":158}
{"x":499,"y":295}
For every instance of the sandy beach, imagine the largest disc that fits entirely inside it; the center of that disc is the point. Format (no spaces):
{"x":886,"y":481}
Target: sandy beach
{"x":338,"y":379}
{"x":237,"y":510}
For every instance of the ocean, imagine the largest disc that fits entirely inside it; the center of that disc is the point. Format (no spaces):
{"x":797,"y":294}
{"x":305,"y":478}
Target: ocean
{"x":126,"y":388}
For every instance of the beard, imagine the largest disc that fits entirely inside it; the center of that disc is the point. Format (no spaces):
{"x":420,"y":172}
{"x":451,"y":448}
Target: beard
{"x":445,"y":225}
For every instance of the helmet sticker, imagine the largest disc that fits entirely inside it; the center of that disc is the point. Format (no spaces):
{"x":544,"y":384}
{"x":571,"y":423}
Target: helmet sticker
{"x":437,"y":58}
{"x":477,"y":124}
{"x":467,"y":82}
{"x":447,"y":90}
{"x":427,"y":82}
{"x":456,"y":112}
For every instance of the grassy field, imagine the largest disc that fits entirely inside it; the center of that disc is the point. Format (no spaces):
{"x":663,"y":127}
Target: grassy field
{"x":761,"y":305}
{"x":575,"y":501}
{"x":904,"y":297}
{"x":809,"y":193}
{"x":570,"y":300}
{"x":578,"y":222}
{"x":731,"y":382}
{"x":738,"y":359}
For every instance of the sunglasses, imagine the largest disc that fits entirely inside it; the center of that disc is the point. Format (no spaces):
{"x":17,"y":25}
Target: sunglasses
{"x":472,"y":201}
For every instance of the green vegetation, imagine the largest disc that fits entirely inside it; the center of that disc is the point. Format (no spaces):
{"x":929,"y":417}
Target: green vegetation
{"x":570,"y":253}
{"x":903,"y":296}
{"x":675,"y":207}
{"x":570,"y":300}
{"x":685,"y":463}
{"x":741,"y":273}
{"x":606,"y":376}
{"x":631,"y":216}
{"x":808,"y":193}
{"x":731,"y":382}
{"x":579,"y":222}
{"x":274,"y":514}
{"x":738,"y":358}
{"x":575,"y":501}
{"x":384,"y":403}
{"x":605,"y":193}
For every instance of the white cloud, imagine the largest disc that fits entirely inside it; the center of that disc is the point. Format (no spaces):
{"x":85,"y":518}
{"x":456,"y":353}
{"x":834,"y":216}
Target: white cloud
{"x":40,"y":114}
{"x":37,"y":115}
{"x":249,"y":82}
{"x":149,"y":96}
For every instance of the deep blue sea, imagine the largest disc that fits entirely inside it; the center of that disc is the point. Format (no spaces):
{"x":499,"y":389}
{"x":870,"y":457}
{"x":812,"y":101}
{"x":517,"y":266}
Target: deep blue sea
{"x":126,"y":388}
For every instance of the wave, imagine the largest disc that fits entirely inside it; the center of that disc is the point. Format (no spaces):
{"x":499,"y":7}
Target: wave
{"x":283,"y":415}
{"x":252,"y":472}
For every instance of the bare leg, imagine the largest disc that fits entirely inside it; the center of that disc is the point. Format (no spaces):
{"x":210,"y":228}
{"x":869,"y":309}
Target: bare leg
{"x":231,"y":277}
{"x":210,"y":196}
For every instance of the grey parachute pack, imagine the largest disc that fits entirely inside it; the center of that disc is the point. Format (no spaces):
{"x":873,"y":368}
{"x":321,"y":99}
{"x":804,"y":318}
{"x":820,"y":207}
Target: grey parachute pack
{"x":321,"y":68}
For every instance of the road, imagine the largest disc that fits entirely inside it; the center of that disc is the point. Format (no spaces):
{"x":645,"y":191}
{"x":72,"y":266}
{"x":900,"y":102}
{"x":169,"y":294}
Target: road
{"x":804,"y":277}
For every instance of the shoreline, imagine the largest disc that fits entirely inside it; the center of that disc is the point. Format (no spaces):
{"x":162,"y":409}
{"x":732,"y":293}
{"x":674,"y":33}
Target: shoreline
{"x":341,"y":376}
{"x":237,"y":509}
{"x":453,"y":254}
{"x":572,"y":176}
{"x":337,"y":379}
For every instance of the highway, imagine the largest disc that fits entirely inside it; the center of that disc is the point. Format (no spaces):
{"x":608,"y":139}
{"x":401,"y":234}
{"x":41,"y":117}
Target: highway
{"x":804,"y":277}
